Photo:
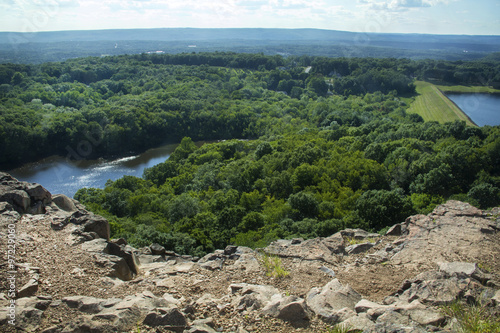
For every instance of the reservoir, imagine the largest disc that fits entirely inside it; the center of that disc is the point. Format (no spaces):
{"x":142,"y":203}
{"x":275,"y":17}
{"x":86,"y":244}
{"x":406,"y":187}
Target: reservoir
{"x":483,"y":109}
{"x":58,"y":175}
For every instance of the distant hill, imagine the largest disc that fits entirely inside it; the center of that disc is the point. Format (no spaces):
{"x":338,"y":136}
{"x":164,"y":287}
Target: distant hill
{"x":60,"y":45}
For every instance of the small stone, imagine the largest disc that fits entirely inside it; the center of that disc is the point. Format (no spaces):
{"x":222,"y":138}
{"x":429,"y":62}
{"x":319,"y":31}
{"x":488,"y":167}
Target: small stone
{"x":29,"y":289}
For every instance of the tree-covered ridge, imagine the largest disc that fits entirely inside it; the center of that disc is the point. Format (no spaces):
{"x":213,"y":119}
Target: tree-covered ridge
{"x":113,"y":105}
{"x":304,"y":183}
{"x":309,"y":151}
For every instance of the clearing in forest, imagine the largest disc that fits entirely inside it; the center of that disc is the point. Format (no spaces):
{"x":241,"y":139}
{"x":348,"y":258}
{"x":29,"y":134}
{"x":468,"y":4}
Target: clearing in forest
{"x":433,"y":105}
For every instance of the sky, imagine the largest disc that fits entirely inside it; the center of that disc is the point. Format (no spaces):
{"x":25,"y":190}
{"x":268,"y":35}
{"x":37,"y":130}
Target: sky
{"x":470,"y":17}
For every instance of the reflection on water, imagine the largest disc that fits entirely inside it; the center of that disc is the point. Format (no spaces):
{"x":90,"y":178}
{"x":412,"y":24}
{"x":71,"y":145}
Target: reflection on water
{"x":58,"y":175}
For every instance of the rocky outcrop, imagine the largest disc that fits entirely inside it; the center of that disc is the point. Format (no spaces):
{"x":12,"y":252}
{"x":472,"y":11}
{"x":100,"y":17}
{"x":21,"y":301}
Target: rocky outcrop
{"x":23,"y":197}
{"x":73,"y":278}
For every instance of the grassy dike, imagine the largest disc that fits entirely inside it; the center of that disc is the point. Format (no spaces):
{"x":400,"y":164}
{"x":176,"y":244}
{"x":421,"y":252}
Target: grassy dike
{"x":433,"y":105}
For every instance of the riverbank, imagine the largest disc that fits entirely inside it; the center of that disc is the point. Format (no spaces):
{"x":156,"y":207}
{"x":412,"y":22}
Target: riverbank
{"x":467,"y":89}
{"x":432,"y":105}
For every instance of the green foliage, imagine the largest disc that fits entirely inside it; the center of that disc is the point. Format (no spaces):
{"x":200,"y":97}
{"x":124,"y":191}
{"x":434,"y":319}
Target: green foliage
{"x":485,"y":194}
{"x":381,"y":207}
{"x":273,"y":266}
{"x":472,"y":318}
{"x":337,"y":150}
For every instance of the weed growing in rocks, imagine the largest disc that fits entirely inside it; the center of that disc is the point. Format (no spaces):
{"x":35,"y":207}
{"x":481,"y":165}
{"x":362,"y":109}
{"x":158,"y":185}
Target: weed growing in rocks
{"x":273,"y":266}
{"x":471,"y":318}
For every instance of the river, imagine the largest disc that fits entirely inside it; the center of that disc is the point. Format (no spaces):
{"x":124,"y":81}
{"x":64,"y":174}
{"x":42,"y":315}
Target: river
{"x":483,"y":109}
{"x":58,"y":175}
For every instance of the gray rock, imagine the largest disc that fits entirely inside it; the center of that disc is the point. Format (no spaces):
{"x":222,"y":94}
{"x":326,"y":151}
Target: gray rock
{"x":200,"y":328}
{"x":327,"y":271}
{"x":253,"y":297}
{"x":125,"y":253}
{"x":393,"y":317}
{"x":247,"y":262}
{"x":5,"y":206}
{"x":230,"y":249}
{"x":97,"y":224}
{"x":38,"y":193}
{"x":172,"y":319}
{"x":86,"y":324}
{"x":293,"y":309}
{"x":395,"y":230}
{"x":496,"y":298}
{"x":360,"y":322}
{"x":19,"y":200}
{"x":29,"y":289}
{"x":457,"y":267}
{"x":435,"y":292}
{"x":426,"y":316}
{"x":213,"y":265}
{"x":463,"y":268}
{"x":28,"y":319}
{"x":64,"y":203}
{"x":157,"y":249}
{"x":322,"y":249}
{"x":84,"y":303}
{"x":118,"y":266}
{"x":97,"y":245}
{"x":334,"y":296}
{"x":359,"y":248}
{"x":365,"y":305}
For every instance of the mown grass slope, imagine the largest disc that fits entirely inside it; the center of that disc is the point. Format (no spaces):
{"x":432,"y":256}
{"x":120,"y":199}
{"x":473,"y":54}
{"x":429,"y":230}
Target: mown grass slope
{"x":433,"y":105}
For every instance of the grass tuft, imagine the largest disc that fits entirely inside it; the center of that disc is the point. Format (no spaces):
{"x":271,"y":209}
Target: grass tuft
{"x":471,"y":318}
{"x":273,"y":266}
{"x":353,"y":241}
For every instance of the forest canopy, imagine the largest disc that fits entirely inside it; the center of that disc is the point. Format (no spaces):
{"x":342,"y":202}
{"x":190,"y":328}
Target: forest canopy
{"x":301,"y":153}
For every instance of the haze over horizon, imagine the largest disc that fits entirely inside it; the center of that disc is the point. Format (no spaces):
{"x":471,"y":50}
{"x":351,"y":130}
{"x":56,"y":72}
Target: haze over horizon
{"x":480,"y":17}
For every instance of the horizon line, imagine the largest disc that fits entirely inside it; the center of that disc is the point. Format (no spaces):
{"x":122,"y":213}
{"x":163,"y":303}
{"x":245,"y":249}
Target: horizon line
{"x":255,"y":28}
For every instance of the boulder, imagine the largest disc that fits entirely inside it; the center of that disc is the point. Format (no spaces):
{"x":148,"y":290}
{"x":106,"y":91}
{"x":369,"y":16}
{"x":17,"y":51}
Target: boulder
{"x":118,"y":266}
{"x":19,"y":199}
{"x":395,"y":230}
{"x":171,"y":319}
{"x":157,"y":249}
{"x":29,"y":289}
{"x":322,"y":249}
{"x":253,"y":296}
{"x":393,"y":317}
{"x":97,"y":224}
{"x":123,"y":252}
{"x":64,"y":203}
{"x":365,"y":305}
{"x":426,"y":316}
{"x":293,"y":308}
{"x":247,"y":262}
{"x":230,"y":249}
{"x":334,"y":296}
{"x":38,"y":193}
{"x":28,"y":319}
{"x":435,"y":292}
{"x":359,"y":248}
{"x":360,"y":323}
{"x":85,"y":304}
{"x":5,"y":207}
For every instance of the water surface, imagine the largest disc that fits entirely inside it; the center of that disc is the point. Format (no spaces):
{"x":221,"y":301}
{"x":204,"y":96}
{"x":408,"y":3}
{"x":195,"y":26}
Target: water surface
{"x":483,"y":109}
{"x":59,"y":175}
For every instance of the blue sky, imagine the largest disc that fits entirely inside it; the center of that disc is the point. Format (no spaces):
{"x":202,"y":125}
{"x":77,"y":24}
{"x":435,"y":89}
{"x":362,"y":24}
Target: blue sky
{"x":473,"y":17}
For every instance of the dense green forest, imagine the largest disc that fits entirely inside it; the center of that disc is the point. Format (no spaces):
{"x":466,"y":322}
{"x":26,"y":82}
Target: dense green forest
{"x":304,"y":153}
{"x":94,"y":107}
